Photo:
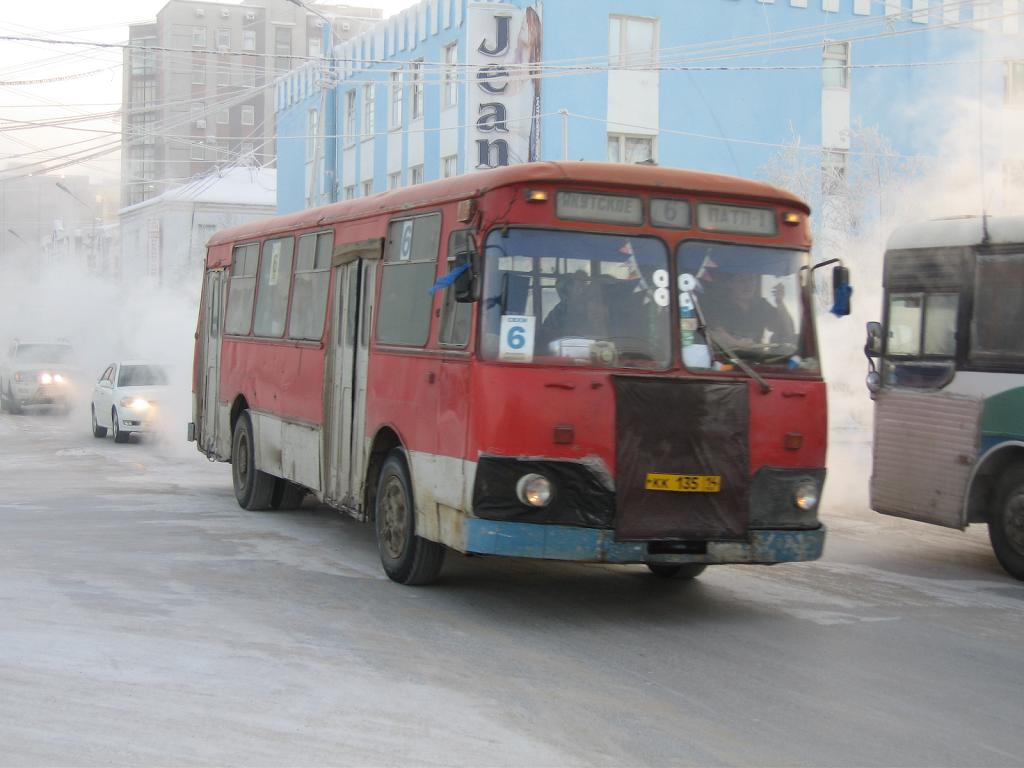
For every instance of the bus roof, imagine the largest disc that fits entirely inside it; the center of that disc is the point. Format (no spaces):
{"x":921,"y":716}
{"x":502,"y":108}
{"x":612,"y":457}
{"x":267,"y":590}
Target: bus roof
{"x":473,"y":184}
{"x":957,"y":231}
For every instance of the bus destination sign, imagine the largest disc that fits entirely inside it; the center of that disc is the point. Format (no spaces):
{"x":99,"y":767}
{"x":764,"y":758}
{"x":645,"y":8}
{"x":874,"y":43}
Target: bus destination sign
{"x":587,"y":206}
{"x":736,"y":219}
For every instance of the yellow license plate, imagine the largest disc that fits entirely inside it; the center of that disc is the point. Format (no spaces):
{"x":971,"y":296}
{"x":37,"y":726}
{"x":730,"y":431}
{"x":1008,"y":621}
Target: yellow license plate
{"x":684,"y":483}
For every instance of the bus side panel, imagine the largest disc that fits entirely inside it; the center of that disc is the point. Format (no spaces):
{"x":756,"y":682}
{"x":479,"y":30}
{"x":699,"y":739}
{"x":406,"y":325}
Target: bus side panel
{"x":283,"y":379}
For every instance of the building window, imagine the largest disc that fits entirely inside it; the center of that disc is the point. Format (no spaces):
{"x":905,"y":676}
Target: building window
{"x":369,"y":108}
{"x":410,"y":265}
{"x":416,"y":174}
{"x":367,"y":187}
{"x":248,"y":77}
{"x":198,"y":37}
{"x":223,"y":39}
{"x":248,"y":39}
{"x":247,"y":148}
{"x":248,"y":114}
{"x":282,"y":41}
{"x":350,"y":116}
{"x":350,"y":192}
{"x":312,"y":124}
{"x":198,"y":74}
{"x":835,"y":71}
{"x":275,"y":282}
{"x":396,"y":100}
{"x":1015,"y":83}
{"x":416,"y":89}
{"x":197,"y":151}
{"x":449,"y":166}
{"x":241,"y":288}
{"x":312,"y":275}
{"x":223,"y":73}
{"x":394,"y":180}
{"x":623,"y":148}
{"x":833,"y":172}
{"x":223,"y":117}
{"x":315,"y":47}
{"x":632,"y":42}
{"x":143,"y":93}
{"x":451,"y":75}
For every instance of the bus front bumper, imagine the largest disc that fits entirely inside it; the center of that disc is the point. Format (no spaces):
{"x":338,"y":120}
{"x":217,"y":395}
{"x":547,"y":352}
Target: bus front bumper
{"x":562,"y":542}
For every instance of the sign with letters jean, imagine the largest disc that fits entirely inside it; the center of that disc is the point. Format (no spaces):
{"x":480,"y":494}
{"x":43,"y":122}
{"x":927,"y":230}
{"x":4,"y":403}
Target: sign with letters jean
{"x":503,"y":104}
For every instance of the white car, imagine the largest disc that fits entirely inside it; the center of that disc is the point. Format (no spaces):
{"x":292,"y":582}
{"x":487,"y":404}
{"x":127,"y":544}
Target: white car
{"x":38,"y":374}
{"x":127,"y":399}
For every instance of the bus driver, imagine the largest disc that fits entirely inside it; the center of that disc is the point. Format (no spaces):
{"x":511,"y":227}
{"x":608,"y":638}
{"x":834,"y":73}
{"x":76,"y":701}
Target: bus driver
{"x":741,"y":317}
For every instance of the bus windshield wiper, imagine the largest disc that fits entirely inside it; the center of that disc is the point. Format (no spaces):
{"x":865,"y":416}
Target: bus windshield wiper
{"x":730,"y":356}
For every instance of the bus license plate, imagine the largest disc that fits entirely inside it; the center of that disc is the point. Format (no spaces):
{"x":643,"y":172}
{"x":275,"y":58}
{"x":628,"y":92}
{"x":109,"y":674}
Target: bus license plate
{"x":684,"y":483}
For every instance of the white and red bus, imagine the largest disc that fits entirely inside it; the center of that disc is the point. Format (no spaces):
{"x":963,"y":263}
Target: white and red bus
{"x":570,"y":361}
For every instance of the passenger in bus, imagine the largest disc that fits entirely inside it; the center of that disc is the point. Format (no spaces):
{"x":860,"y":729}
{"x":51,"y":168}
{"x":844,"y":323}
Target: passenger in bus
{"x":581,"y":312}
{"x":739,"y":317}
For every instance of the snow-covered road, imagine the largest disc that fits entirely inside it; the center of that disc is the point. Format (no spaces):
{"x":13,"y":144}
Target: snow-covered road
{"x":145,"y":618}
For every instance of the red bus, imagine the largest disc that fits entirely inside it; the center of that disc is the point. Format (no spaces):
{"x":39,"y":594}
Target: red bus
{"x":569,"y":361}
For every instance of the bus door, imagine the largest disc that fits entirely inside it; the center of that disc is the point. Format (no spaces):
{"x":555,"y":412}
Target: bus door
{"x":207,"y":416}
{"x":353,"y":280}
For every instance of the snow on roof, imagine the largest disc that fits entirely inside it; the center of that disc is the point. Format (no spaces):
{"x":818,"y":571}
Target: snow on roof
{"x":233,"y":186}
{"x":957,"y":231}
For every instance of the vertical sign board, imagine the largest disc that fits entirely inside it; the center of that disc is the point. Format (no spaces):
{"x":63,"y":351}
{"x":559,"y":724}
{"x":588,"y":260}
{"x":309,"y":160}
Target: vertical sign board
{"x":503,"y":104}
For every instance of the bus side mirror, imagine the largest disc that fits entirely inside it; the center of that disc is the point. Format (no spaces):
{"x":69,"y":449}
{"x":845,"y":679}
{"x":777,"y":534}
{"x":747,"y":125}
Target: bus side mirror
{"x":465,"y":283}
{"x":873,"y":345}
{"x":841,"y":290}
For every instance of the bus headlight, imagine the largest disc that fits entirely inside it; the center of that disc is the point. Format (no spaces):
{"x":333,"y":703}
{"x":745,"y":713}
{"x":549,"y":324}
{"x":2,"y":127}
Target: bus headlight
{"x":534,"y":490}
{"x":805,"y":495}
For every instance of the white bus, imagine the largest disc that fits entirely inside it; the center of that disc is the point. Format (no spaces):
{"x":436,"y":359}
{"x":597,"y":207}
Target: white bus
{"x":948,"y":385}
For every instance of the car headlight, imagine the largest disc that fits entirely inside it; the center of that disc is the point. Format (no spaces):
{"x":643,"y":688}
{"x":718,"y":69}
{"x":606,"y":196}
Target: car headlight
{"x":534,"y":490}
{"x":45,"y":378}
{"x":135,"y":403}
{"x":805,"y":495}
{"x":58,"y":378}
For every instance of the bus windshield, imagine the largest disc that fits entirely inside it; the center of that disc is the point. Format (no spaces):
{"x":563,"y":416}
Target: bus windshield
{"x":749,"y":298}
{"x":560,"y":297}
{"x":45,"y":353}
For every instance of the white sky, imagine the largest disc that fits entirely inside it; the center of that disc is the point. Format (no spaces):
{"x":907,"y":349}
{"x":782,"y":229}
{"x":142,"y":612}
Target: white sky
{"x":100,"y":20}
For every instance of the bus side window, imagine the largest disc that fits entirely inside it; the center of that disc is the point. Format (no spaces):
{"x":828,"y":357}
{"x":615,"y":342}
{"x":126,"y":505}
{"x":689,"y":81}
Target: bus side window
{"x":410,"y":267}
{"x":275,"y":282}
{"x":455,"y":316}
{"x":242,"y":288}
{"x":312,"y":280}
{"x":214,"y":301}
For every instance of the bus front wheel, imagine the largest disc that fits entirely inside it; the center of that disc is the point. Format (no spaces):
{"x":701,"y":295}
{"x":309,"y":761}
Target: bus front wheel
{"x":1006,"y":524}
{"x":406,"y":557}
{"x":684,"y":571}
{"x":253,"y":489}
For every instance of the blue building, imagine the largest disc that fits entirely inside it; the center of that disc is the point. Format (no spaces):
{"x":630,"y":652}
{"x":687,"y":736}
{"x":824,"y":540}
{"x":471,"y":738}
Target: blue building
{"x":454,"y":86}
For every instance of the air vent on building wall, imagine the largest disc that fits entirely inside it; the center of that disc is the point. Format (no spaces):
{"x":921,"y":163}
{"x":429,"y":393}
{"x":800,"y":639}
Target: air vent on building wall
{"x":345,"y":26}
{"x":225,"y":13}
{"x":319,"y":24}
{"x":200,"y":11}
{"x":250,"y":17}
{"x":200,"y":123}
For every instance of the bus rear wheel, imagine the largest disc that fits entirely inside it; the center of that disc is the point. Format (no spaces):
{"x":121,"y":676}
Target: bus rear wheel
{"x":1006,"y":523}
{"x":287,"y":495}
{"x":253,"y":489}
{"x":685,"y":571}
{"x":406,"y":557}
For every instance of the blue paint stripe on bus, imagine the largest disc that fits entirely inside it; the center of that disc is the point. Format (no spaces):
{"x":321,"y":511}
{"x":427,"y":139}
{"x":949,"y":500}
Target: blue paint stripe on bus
{"x":560,"y":542}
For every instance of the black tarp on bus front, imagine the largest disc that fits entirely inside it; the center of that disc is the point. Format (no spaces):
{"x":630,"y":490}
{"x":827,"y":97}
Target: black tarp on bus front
{"x":681,"y":427}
